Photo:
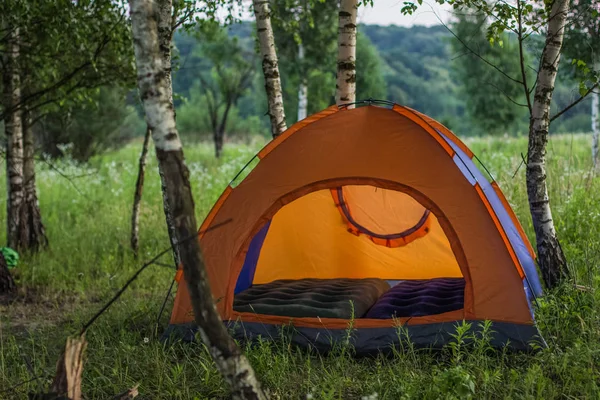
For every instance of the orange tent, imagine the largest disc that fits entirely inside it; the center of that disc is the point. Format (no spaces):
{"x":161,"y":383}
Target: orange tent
{"x":378,"y":215}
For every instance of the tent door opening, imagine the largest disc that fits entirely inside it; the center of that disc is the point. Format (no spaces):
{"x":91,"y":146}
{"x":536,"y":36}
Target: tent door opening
{"x":351,"y":251}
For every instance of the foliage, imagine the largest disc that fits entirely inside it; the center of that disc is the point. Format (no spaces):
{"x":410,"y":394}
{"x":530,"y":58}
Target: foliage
{"x":489,"y":96}
{"x":416,"y":68}
{"x":528,"y":19}
{"x":68,"y":48}
{"x":231,"y":72}
{"x":76,"y":62}
{"x":193,"y":119}
{"x":370,"y":82}
{"x":582,"y":39}
{"x":314,"y":25}
{"x":217,"y":69}
{"x":90,"y":260}
{"x":88,"y":127}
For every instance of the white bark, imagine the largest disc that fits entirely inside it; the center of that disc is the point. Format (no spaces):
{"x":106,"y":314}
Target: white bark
{"x":550,"y":256}
{"x":14,"y":133}
{"x":152,"y":81}
{"x":346,"y":61}
{"x":270,"y":66}
{"x":32,"y":234}
{"x":595,"y":122}
{"x":303,"y":87}
{"x":160,"y":117}
{"x":165,"y":35}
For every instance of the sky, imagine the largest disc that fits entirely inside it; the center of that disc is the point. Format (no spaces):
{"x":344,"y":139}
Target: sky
{"x":387,"y":12}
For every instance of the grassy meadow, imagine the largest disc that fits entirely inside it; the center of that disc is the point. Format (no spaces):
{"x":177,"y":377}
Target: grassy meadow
{"x":86,"y":211}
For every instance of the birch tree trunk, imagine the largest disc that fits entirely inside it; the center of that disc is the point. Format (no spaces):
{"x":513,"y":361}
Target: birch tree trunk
{"x":270,"y":66}
{"x":160,"y":117}
{"x":165,"y":35}
{"x":303,"y":88}
{"x":137,"y":196}
{"x":550,"y":255}
{"x":346,"y":61}
{"x":32,"y":234}
{"x":14,"y":134}
{"x":595,"y":122}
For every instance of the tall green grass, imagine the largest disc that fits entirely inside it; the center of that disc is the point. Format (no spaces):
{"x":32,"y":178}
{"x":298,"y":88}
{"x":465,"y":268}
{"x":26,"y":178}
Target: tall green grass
{"x":87,"y":218}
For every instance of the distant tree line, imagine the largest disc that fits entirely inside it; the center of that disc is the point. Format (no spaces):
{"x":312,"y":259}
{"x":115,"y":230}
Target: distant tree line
{"x":422,"y":67}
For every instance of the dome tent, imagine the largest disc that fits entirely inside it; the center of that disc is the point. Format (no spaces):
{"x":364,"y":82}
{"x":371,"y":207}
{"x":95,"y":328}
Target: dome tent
{"x":376,"y":214}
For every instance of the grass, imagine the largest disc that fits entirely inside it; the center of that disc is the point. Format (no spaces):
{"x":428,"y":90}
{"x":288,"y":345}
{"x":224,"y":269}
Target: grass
{"x":87,"y":219}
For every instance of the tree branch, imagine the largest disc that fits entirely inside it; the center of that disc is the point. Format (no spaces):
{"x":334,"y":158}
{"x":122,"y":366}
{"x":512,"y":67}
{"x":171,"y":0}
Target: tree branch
{"x":181,"y":21}
{"x":56,"y":85}
{"x":478,"y":55}
{"x":536,"y":78}
{"x":65,"y":79}
{"x":521,"y":56}
{"x":506,"y":95}
{"x":573,"y":104}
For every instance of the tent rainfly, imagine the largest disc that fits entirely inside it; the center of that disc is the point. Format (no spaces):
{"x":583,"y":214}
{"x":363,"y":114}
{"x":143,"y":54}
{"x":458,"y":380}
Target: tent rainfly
{"x":375,"y":215}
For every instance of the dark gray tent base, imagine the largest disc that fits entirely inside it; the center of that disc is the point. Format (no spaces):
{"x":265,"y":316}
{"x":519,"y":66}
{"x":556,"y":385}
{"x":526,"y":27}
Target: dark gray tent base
{"x":370,"y":341}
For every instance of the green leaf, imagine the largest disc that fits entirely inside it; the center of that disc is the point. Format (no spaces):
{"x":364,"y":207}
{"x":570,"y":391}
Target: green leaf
{"x":408,"y":8}
{"x":583,"y":89}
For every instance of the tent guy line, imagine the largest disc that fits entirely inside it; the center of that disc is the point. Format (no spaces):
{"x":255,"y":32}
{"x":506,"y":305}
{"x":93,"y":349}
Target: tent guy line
{"x":139,"y":271}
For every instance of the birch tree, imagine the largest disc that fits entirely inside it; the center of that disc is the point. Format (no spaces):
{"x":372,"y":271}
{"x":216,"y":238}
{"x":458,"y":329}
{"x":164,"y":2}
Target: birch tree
{"x":166,"y":27}
{"x":25,"y":228}
{"x":550,"y":255}
{"x":346,"y":62}
{"x":171,"y":16}
{"x":42,"y":66}
{"x":526,"y":18}
{"x":13,"y":127}
{"x":32,"y":234}
{"x":270,"y":66}
{"x":302,"y":87}
{"x":160,"y":117}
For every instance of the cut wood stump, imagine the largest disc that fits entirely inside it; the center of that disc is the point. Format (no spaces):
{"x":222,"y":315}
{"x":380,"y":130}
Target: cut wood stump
{"x":69,"y":369}
{"x":67,"y":381}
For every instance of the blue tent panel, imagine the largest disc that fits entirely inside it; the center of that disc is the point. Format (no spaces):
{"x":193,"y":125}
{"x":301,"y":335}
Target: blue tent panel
{"x":247,"y":275}
{"x":527,"y":263}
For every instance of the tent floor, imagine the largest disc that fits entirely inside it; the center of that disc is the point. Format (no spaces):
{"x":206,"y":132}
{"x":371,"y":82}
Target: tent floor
{"x":370,"y":341}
